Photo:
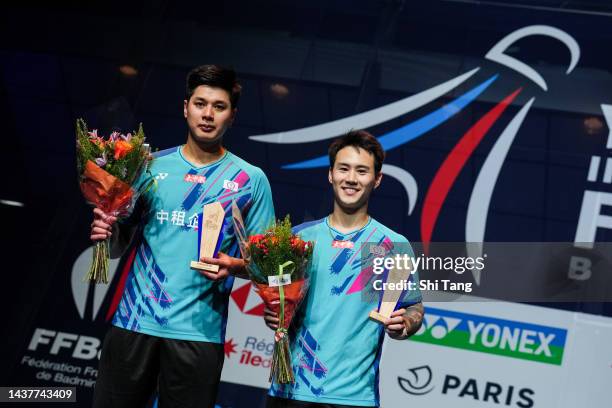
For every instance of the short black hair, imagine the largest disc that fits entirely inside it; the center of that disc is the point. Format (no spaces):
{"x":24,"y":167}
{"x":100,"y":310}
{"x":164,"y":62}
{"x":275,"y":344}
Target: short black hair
{"x":360,"y":139}
{"x":214,"y":76}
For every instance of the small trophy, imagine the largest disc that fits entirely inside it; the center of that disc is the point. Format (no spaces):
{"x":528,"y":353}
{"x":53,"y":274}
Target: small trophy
{"x":389,"y":298}
{"x":210,"y":235}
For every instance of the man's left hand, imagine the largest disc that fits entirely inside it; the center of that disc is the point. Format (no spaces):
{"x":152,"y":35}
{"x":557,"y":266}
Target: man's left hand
{"x":404,"y":322}
{"x":395,"y":325}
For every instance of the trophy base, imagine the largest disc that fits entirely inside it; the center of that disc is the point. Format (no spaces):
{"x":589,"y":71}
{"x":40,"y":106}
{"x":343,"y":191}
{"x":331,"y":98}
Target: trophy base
{"x":377,"y":316}
{"x":204,"y":266}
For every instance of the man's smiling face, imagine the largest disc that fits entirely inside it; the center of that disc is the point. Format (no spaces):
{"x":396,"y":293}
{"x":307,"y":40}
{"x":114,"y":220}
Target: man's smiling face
{"x":353,"y":177}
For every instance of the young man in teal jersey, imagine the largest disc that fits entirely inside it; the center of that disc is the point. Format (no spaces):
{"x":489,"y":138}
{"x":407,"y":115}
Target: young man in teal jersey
{"x":169,"y":326}
{"x":335,"y":346}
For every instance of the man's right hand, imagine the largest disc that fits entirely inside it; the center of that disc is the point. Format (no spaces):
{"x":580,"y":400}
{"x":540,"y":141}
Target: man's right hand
{"x":271,"y":319}
{"x":102,"y":225}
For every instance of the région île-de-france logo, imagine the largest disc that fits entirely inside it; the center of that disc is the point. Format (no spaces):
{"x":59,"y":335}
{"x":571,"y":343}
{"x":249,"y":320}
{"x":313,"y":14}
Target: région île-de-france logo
{"x":229,"y":347}
{"x":491,"y":335}
{"x":447,"y":173}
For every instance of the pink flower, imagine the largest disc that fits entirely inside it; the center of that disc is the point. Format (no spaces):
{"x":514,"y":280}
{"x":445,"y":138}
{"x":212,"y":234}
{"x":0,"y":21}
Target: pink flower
{"x":114,"y":136}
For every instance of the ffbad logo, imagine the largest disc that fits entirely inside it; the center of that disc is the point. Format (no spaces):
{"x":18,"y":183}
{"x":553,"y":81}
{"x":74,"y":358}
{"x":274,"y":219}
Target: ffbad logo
{"x":78,"y":346}
{"x":494,"y":336}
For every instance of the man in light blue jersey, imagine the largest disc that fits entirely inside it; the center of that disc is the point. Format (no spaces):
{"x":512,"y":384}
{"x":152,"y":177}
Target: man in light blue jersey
{"x":169,"y":325}
{"x":335,"y":346}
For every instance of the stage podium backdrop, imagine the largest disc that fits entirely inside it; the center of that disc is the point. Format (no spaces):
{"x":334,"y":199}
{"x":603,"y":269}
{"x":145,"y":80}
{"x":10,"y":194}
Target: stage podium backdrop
{"x":507,"y":140}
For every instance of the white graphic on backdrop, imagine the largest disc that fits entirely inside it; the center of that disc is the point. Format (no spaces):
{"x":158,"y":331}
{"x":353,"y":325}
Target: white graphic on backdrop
{"x":496,"y":53}
{"x":80,"y":287}
{"x":482,"y":192}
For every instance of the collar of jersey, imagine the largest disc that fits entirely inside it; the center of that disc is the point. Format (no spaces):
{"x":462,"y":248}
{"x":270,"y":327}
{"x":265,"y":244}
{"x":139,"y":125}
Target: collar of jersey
{"x":350,"y":232}
{"x":219,"y":160}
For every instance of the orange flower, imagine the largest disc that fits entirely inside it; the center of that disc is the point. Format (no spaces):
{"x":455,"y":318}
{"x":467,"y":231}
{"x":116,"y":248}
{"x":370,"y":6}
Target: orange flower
{"x":122,"y":148}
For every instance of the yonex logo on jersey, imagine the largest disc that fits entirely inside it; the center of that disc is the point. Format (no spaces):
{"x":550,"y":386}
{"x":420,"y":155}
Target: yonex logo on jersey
{"x":194,"y":178}
{"x":343,"y":244}
{"x":230,"y":185}
{"x":161,"y":176}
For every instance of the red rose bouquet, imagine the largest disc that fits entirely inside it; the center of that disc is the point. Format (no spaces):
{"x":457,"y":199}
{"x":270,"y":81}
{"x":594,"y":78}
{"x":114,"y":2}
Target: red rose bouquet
{"x":278,"y":266}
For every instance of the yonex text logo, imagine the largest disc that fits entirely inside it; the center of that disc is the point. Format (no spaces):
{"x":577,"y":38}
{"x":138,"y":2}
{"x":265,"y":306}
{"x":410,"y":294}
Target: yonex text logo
{"x":494,"y":336}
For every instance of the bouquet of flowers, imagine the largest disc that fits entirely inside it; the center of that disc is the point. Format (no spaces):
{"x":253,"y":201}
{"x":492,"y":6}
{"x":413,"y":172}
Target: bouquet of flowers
{"x":278,"y":266}
{"x":108,"y":169}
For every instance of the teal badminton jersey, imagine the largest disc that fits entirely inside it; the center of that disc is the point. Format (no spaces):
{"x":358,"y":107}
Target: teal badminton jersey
{"x":163,"y":296}
{"x":335,"y":346}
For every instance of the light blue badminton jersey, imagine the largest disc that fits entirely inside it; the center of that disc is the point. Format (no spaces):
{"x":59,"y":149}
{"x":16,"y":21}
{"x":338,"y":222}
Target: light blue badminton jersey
{"x":335,"y":346}
{"x":163,"y":296}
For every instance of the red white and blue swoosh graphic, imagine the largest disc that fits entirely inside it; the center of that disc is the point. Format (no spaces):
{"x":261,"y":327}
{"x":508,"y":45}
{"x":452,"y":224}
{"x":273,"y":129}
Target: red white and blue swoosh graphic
{"x":447,"y":173}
